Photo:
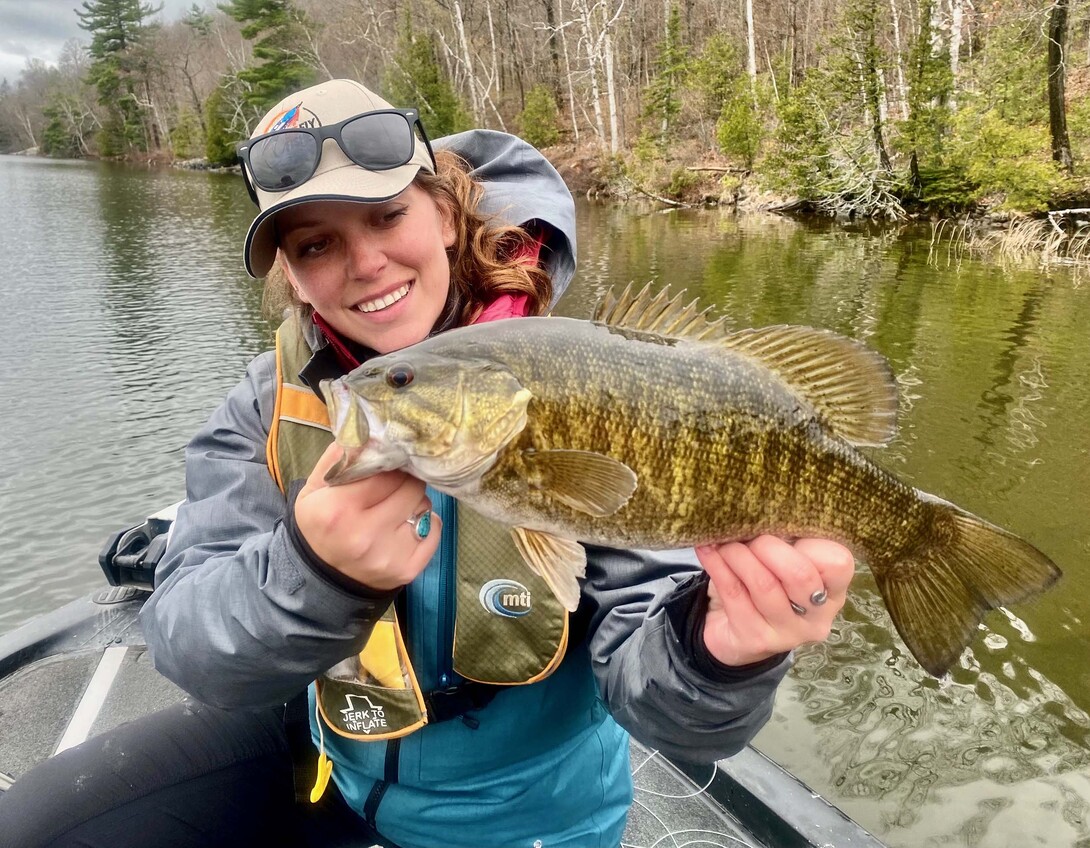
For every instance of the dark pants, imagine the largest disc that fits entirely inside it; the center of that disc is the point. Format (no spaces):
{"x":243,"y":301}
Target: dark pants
{"x":190,"y":776}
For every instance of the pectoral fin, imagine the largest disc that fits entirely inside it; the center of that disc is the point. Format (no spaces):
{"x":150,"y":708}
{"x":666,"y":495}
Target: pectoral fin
{"x":559,"y":562}
{"x":589,"y":482}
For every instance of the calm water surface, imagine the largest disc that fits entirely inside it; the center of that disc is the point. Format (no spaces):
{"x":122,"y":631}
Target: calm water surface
{"x":127,"y":316}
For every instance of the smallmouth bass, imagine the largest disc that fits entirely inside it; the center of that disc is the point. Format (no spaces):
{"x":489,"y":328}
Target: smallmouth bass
{"x":652,"y":426}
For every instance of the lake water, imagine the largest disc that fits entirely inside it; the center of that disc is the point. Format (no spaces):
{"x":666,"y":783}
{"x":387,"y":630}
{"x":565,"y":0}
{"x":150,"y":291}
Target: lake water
{"x":128,"y":317}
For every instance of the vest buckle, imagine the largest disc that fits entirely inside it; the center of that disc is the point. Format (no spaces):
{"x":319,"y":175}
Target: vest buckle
{"x":456,"y":701}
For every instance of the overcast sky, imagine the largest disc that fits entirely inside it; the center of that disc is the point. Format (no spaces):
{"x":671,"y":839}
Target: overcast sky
{"x":37,"y":29}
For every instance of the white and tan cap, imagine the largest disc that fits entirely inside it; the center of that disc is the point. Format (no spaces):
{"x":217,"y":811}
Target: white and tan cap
{"x":337,"y":177}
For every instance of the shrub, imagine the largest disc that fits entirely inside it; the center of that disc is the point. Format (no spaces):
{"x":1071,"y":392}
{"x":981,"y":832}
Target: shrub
{"x":538,"y":121}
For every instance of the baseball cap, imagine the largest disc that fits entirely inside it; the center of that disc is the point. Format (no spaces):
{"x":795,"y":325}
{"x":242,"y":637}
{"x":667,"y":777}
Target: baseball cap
{"x":336,"y":177}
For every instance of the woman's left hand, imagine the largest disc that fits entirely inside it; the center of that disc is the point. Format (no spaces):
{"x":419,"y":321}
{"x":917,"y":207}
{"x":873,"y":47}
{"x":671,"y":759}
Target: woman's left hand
{"x":768,"y":596}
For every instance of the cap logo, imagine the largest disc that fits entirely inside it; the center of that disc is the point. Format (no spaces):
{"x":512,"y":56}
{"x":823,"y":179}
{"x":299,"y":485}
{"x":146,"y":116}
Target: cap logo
{"x":291,"y":118}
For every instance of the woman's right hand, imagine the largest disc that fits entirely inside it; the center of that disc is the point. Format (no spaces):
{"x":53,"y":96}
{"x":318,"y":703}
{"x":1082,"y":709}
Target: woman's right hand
{"x":362,"y":529}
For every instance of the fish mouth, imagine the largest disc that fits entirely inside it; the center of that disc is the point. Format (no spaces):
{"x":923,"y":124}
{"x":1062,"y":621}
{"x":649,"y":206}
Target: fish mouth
{"x":377,"y":304}
{"x":359,"y":431}
{"x":359,"y":463}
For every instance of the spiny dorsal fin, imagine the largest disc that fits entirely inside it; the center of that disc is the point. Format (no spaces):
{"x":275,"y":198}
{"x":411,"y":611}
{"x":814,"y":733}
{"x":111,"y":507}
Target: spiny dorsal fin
{"x":661,"y":314}
{"x":852,"y":387}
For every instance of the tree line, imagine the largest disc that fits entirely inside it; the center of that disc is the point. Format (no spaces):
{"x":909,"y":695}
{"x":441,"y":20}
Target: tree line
{"x":868,"y":107}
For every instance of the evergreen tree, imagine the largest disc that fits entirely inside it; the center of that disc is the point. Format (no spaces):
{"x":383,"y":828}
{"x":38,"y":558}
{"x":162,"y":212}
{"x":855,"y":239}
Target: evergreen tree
{"x":416,"y":79}
{"x":538,"y":121}
{"x":929,"y":88}
{"x":663,"y":101}
{"x":277,"y":29}
{"x":119,"y":69}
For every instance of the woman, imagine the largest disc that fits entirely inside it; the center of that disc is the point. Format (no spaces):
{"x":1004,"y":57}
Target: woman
{"x":272,"y":578}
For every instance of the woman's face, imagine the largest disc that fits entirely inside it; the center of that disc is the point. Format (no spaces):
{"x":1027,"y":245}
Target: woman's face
{"x":378,"y":273}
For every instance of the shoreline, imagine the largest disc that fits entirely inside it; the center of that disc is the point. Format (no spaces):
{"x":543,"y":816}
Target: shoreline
{"x":1060,"y":235}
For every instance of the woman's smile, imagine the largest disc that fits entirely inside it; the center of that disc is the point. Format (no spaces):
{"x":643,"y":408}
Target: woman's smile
{"x":384,"y":302}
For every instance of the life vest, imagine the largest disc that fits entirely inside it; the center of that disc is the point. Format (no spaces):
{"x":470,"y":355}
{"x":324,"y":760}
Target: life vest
{"x":509,"y":629}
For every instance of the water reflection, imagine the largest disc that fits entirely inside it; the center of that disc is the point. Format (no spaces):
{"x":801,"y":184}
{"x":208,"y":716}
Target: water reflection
{"x":131,"y":317}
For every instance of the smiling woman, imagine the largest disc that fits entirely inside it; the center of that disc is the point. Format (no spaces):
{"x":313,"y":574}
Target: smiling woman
{"x":277,"y":588}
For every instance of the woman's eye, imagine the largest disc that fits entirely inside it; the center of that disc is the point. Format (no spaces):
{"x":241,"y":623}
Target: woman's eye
{"x":392,"y":215}
{"x":311,"y":248}
{"x":399,"y":375}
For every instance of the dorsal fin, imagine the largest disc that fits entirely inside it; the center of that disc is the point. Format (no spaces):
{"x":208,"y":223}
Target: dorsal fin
{"x":851,"y":386}
{"x":661,"y":313}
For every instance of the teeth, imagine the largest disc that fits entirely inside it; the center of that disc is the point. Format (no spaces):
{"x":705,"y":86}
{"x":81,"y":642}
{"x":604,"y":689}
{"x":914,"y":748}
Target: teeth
{"x":383,"y":302}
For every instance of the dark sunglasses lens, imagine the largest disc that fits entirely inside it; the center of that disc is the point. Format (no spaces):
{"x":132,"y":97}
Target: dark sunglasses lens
{"x":378,"y":141}
{"x":284,"y":160}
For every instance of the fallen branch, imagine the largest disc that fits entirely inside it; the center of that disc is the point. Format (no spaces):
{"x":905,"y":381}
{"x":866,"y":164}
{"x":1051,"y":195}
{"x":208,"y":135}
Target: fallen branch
{"x":717,"y":168}
{"x":1062,"y":213}
{"x":665,"y":200}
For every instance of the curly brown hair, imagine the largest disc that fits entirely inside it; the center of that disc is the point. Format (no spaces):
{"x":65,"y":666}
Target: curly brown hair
{"x":483,"y":258}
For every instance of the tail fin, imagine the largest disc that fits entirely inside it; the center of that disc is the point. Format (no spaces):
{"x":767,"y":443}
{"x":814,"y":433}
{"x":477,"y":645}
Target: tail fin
{"x":963,"y":568}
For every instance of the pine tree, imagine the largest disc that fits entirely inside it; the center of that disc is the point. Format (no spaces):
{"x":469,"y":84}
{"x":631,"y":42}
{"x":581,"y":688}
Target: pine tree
{"x":663,"y":100}
{"x":277,"y":28}
{"x":118,"y":69}
{"x":417,"y":80}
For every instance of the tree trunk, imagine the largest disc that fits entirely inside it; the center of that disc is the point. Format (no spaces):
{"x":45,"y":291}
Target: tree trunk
{"x":873,"y":90}
{"x":467,"y":59}
{"x":550,"y":20}
{"x":902,"y":88}
{"x":611,"y":95}
{"x":796,"y":53}
{"x":1057,"y":109}
{"x":957,"y":20}
{"x":571,"y":84}
{"x":592,"y":65}
{"x":751,"y":47}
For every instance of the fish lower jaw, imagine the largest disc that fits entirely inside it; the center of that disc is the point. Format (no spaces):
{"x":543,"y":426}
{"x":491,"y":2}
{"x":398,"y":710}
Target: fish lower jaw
{"x":380,"y":303}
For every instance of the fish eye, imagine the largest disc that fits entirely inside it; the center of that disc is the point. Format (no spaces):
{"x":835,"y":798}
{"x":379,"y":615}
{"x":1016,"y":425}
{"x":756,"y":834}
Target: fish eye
{"x":399,"y":375}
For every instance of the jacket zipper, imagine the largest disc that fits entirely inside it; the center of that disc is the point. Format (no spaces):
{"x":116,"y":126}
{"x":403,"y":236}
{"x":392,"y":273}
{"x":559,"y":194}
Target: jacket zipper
{"x":445,"y":639}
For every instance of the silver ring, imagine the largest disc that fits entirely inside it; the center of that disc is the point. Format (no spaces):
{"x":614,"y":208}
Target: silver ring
{"x":799,"y":610}
{"x":421,"y":523}
{"x":819,"y":597}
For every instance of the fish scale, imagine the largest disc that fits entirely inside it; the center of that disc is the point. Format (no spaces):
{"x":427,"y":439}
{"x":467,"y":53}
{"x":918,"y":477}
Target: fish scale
{"x":602,"y":432}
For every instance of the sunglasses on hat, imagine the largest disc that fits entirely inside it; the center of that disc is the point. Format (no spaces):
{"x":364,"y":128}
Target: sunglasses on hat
{"x":378,"y":141}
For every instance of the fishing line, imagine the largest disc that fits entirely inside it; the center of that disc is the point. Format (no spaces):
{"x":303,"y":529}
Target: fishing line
{"x":700,"y":791}
{"x":653,"y":815}
{"x":672,"y":834}
{"x":650,"y":757}
{"x":734,"y":839}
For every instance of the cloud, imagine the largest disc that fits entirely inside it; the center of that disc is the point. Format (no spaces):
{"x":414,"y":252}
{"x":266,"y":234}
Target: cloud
{"x":38,"y":29}
{"x":34,"y":29}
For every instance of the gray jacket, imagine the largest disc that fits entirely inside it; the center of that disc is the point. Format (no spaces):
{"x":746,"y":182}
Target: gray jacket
{"x":240,"y":619}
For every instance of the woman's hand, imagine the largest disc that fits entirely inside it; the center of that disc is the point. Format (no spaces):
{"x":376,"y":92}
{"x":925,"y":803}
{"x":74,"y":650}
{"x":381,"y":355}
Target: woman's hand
{"x":768,"y":596}
{"x":363,"y":529}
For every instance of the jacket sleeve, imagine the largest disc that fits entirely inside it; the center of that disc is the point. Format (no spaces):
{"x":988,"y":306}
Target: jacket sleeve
{"x":648,"y":672}
{"x":239,"y":617}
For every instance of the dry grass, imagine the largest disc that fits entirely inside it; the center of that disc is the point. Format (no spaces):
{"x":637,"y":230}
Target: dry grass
{"x":1062,"y":238}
